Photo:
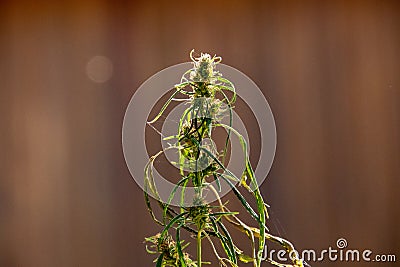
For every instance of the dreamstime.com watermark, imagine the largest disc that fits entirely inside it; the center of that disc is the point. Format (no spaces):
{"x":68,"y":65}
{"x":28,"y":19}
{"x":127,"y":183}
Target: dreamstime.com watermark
{"x":339,"y":253}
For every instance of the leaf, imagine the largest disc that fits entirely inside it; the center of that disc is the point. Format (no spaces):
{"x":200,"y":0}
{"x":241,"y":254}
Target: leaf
{"x":248,"y":172}
{"x":230,"y":87}
{"x":179,"y":248}
{"x":160,"y":260}
{"x":217,"y":182}
{"x":169,"y":225}
{"x":245,"y":258}
{"x":224,"y":213}
{"x":209,"y":153}
{"x":229,"y":239}
{"x":227,"y":244}
{"x":166,"y":104}
{"x":172,"y":194}
{"x":241,"y":198}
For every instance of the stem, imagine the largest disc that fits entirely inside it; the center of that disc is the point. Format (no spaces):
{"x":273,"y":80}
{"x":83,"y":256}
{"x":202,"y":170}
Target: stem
{"x":199,"y":248}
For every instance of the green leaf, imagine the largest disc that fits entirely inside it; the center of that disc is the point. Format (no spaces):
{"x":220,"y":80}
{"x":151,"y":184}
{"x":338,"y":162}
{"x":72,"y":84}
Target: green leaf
{"x":228,"y":130}
{"x":245,"y":258}
{"x":245,"y":204}
{"x":217,"y":182}
{"x":169,"y":225}
{"x":230,"y":87}
{"x":178,"y":89}
{"x":226,"y":242}
{"x":230,"y":242}
{"x":179,"y":248}
{"x":249,"y":173}
{"x":160,"y":260}
{"x":224,"y":213}
{"x":171,"y":196}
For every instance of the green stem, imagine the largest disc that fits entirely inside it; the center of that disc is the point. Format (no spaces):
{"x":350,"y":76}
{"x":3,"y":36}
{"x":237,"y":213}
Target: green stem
{"x":199,"y":248}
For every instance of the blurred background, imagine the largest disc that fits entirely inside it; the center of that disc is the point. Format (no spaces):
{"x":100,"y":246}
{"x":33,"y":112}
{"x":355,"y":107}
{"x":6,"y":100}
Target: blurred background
{"x":329,"y":69}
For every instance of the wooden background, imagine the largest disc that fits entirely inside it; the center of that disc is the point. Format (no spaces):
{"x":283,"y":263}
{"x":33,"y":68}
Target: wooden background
{"x":330,"y":72}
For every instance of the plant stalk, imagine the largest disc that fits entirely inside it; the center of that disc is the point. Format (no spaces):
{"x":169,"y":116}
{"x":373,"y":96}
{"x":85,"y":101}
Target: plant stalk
{"x":199,"y":248}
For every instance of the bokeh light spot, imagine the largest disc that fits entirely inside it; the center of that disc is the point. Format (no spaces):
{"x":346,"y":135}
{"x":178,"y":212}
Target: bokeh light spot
{"x":99,"y":69}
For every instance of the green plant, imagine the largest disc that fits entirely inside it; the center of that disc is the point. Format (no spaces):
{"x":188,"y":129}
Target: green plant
{"x":209,"y":97}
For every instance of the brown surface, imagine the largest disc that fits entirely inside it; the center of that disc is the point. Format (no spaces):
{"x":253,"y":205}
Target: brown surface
{"x":329,"y":71}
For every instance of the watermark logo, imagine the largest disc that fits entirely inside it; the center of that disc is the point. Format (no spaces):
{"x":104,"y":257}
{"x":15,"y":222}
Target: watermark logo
{"x":341,"y":253}
{"x":341,"y":243}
